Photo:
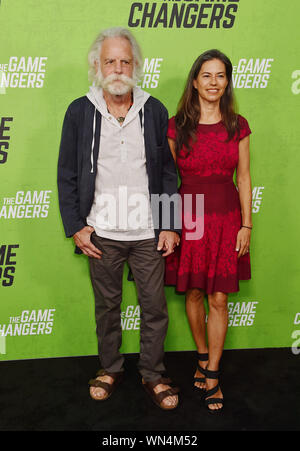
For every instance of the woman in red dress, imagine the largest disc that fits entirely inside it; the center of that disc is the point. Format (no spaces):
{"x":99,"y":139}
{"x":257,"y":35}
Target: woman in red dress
{"x":209,"y":141}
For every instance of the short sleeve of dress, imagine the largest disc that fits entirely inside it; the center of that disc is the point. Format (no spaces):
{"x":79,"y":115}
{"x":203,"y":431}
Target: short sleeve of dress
{"x":172,"y":128}
{"x":244,"y":127}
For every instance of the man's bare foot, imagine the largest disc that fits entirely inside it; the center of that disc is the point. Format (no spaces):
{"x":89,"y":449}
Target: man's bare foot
{"x":99,"y":393}
{"x":166,"y":401}
{"x":169,"y":401}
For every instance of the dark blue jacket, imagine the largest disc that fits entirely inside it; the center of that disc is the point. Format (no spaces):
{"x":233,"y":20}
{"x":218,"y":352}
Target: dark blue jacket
{"x":76,"y":182}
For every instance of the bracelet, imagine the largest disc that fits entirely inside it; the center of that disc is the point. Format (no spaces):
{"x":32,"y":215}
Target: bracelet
{"x":247,"y":227}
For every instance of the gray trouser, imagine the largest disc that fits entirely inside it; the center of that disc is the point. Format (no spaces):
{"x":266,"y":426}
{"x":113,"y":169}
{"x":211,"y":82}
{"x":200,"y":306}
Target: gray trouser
{"x":147,"y":266}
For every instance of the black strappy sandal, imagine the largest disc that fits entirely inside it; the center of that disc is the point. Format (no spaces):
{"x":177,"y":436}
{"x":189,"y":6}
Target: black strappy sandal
{"x":202,"y":358}
{"x":208,"y":401}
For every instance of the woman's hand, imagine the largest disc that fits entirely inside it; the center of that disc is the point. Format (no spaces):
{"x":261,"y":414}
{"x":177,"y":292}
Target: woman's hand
{"x":243,"y":241}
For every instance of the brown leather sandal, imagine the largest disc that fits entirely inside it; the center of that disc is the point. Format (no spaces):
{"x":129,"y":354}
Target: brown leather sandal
{"x":109,"y":388}
{"x":158,"y":398}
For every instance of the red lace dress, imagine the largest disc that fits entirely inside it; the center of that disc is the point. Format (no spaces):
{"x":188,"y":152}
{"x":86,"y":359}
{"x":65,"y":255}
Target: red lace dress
{"x":206,"y":257}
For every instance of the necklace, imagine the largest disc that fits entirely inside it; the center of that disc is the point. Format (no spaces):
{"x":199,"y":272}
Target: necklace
{"x":121,"y":119}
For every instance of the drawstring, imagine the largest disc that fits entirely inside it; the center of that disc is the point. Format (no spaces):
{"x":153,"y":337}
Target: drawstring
{"x":143,"y":121}
{"x":92,"y":156}
{"x":142,"y":125}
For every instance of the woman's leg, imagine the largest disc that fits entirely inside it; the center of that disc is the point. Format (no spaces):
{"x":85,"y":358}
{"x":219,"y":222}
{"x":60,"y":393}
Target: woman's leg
{"x":195,"y":310}
{"x":217,"y":326}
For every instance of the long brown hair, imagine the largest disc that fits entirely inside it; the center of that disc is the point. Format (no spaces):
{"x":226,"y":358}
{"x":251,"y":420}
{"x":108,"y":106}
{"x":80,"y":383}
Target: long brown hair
{"x":189,"y":112}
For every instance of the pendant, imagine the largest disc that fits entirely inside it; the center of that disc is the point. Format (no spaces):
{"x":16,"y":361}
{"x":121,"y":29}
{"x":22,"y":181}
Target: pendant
{"x":120,"y":119}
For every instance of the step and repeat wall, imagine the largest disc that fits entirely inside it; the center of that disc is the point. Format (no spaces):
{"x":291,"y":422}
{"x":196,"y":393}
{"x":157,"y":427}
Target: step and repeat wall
{"x":47,"y":306}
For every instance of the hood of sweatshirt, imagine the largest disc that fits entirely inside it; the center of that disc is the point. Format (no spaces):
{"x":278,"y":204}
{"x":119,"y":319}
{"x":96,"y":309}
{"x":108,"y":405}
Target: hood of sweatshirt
{"x":140,"y":97}
{"x":95,"y":95}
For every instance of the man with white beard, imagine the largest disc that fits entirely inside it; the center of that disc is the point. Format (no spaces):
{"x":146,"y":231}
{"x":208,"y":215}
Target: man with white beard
{"x":114,"y":147}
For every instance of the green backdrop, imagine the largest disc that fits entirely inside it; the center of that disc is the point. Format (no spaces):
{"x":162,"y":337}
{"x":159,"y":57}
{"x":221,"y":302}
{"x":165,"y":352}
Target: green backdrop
{"x":46,"y":307}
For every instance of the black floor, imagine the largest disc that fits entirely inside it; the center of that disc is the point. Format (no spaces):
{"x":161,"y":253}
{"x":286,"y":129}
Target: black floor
{"x":261,"y":390}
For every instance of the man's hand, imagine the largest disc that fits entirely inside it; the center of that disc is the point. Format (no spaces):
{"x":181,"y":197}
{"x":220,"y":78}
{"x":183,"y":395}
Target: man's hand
{"x":82,"y":240}
{"x":167,"y":241}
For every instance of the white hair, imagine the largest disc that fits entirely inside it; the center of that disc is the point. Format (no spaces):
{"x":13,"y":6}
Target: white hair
{"x":95,"y":50}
